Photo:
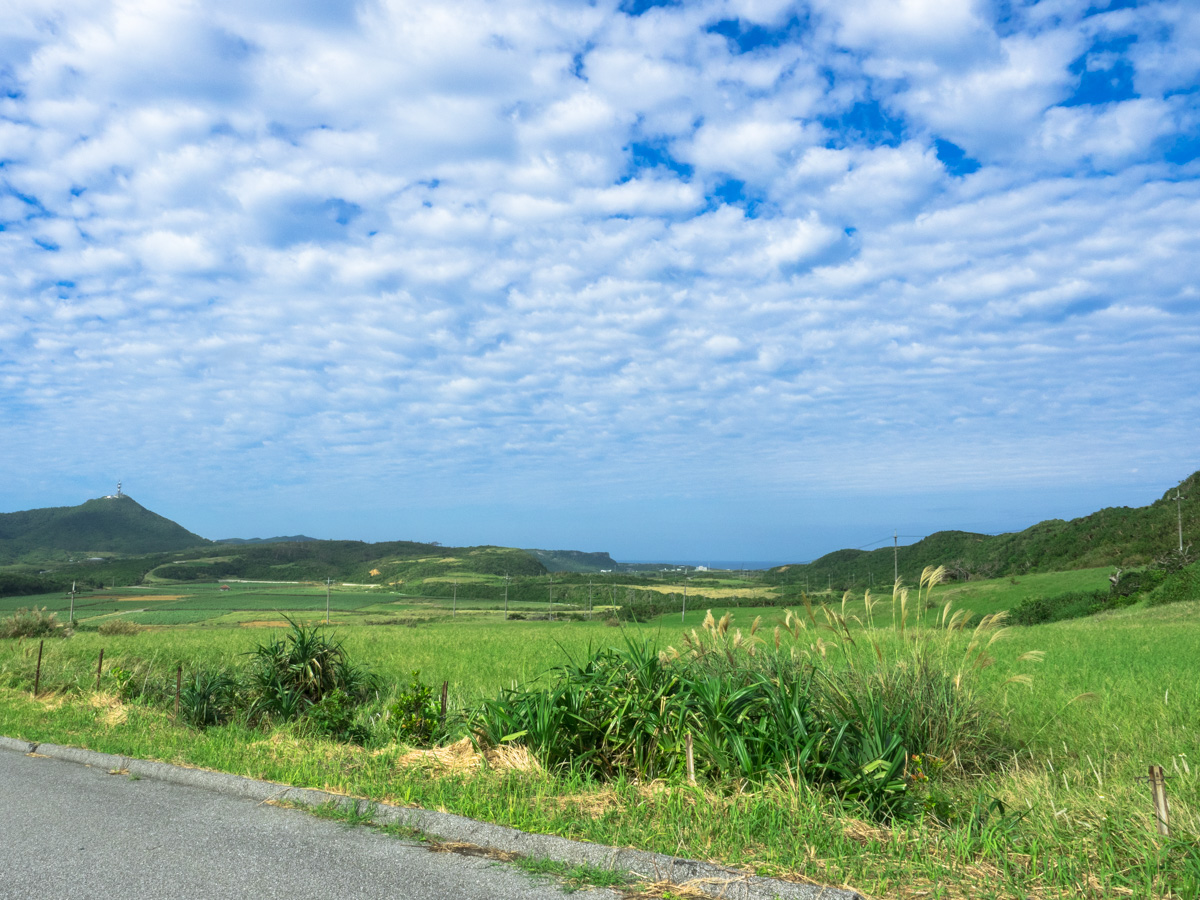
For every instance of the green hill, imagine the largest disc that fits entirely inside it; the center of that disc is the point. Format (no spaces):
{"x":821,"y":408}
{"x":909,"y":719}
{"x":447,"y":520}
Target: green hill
{"x":347,"y":561}
{"x":116,"y":524}
{"x":1116,"y":536}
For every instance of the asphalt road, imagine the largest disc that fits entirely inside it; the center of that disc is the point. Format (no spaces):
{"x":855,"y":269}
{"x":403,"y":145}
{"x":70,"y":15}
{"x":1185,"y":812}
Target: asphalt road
{"x":69,"y":831}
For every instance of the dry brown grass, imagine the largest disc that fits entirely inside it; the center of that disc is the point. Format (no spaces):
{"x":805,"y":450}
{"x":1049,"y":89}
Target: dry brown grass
{"x":863,"y":833}
{"x":463,"y":757}
{"x":696,"y":590}
{"x":112,"y":710}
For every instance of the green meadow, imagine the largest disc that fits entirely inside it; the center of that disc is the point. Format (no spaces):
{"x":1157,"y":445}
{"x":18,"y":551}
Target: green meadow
{"x":1063,"y":814}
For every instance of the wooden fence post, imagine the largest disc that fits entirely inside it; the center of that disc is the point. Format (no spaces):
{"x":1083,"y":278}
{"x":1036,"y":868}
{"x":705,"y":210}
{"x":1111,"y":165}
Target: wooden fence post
{"x":691,"y":761}
{"x":37,"y":678}
{"x":99,"y":668}
{"x":445,"y":690}
{"x":1158,"y":790}
{"x":178,"y":685}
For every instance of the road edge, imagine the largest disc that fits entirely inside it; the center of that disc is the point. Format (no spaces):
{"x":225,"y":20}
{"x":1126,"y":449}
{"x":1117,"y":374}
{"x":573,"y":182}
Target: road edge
{"x":707,"y":878}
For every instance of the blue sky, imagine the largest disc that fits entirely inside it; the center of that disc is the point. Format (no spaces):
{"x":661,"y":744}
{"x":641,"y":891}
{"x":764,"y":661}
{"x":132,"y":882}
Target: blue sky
{"x":726,"y":280}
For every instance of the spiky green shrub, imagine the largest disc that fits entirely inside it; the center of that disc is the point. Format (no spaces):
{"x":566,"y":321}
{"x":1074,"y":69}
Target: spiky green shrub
{"x":843,"y":714}
{"x":208,"y":697}
{"x":630,"y":711}
{"x":291,"y":673}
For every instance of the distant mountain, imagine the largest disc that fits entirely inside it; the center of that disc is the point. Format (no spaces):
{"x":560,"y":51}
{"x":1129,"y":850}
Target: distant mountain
{"x":293,"y":539}
{"x":574,"y":561}
{"x":1116,"y":536}
{"x":117,"y":524}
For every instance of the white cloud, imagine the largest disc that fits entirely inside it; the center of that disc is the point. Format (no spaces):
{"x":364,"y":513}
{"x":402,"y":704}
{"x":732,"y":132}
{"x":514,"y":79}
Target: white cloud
{"x":406,"y":244}
{"x":1115,"y":134}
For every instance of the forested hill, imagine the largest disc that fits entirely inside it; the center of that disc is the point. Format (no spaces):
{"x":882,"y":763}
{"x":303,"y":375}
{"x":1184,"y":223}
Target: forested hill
{"x":106,"y":525}
{"x":349,"y":561}
{"x":1116,"y":536}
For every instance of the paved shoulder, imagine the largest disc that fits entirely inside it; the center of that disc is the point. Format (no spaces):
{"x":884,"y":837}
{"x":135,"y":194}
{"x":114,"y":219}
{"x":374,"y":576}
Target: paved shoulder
{"x":69,"y":831}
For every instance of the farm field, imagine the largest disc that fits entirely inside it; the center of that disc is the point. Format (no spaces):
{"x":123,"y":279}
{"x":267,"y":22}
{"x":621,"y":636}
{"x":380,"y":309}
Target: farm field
{"x":262,"y":603}
{"x":1113,"y":694}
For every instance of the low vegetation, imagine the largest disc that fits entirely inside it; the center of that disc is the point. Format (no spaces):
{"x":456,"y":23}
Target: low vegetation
{"x":846,"y":716}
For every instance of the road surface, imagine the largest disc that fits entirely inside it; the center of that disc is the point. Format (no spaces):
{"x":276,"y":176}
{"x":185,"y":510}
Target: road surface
{"x":70,"y":832}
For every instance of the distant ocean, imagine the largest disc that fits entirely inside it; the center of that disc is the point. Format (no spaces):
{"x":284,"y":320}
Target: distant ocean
{"x":715,"y":563}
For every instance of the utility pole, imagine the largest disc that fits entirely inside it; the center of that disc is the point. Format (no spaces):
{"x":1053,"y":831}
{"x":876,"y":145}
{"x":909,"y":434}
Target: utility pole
{"x":589,"y":599}
{"x":552,"y":598}
{"x":683,"y":615}
{"x":895,"y":555}
{"x":505,"y":596}
{"x":71,"y":621}
{"x":328,"y":582}
{"x":1179,"y":512}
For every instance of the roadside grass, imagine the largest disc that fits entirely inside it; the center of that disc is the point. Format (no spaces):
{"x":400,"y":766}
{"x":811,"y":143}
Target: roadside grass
{"x":572,"y":877}
{"x":1114,"y":694}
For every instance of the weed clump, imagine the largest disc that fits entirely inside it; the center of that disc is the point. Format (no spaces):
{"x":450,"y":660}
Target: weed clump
{"x":120,"y":626}
{"x":32,"y":623}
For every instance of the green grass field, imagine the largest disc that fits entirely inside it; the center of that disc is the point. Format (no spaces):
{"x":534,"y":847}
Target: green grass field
{"x":247,"y":602}
{"x":1114,"y":694}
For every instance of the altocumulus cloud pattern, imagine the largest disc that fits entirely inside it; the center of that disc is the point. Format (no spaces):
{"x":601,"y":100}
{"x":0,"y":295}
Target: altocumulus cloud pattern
{"x":426,"y":255}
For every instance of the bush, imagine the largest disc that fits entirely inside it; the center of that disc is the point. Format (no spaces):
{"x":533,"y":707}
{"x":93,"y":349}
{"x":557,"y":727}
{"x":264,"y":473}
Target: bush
{"x":32,"y":623}
{"x":119,"y":626}
{"x":334,"y":716}
{"x":1138,"y":581}
{"x":1181,"y":585}
{"x":415,"y":714}
{"x":1071,"y":605}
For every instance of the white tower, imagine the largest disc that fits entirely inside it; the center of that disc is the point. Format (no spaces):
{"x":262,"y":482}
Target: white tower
{"x":118,"y":490}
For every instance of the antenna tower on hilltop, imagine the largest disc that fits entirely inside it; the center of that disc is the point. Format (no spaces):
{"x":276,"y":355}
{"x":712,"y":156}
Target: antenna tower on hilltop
{"x":118,"y":490}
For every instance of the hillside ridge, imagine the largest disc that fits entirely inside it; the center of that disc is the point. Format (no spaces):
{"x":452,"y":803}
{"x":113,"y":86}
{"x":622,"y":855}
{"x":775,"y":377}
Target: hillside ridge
{"x":1114,"y":536}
